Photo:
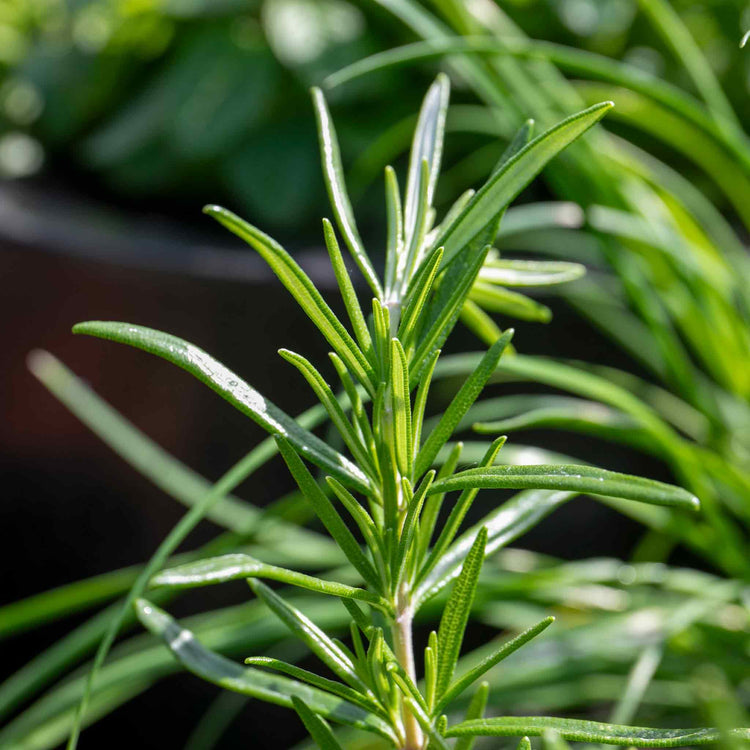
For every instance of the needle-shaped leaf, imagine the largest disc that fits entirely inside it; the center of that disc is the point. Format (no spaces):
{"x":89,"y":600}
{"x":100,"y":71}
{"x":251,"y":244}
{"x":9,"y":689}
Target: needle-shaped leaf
{"x":496,"y":299}
{"x":474,"y":711}
{"x":337,"y":193}
{"x":524,"y":744}
{"x":401,"y":407}
{"x":333,"y":407}
{"x":436,"y":740}
{"x":458,"y":512}
{"x":271,"y":688}
{"x":410,"y":523}
{"x":460,"y":404}
{"x":572,"y":477}
{"x":356,"y":511}
{"x":427,"y":146}
{"x":317,"y":727}
{"x":456,"y":613}
{"x":236,"y":566}
{"x":353,"y":308}
{"x":323,"y":683}
{"x":506,"y":523}
{"x":327,"y":513}
{"x":418,"y":296}
{"x":306,"y":630}
{"x":420,"y":402}
{"x":522,"y":273}
{"x":302,"y":289}
{"x":232,"y":388}
{"x":507,"y":182}
{"x":395,"y":224}
{"x":590,"y":731}
{"x":463,"y":682}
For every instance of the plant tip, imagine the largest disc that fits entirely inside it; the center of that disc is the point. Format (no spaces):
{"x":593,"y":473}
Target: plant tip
{"x":39,"y":362}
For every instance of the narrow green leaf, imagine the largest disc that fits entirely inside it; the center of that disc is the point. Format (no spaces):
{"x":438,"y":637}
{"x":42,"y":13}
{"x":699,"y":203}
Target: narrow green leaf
{"x":573,"y":477}
{"x":436,"y":740}
{"x":351,"y":302}
{"x":413,"y":243}
{"x":318,"y":729}
{"x":325,"y":510}
{"x":589,"y":731}
{"x":474,"y":711}
{"x":395,"y":223}
{"x":302,"y":289}
{"x":317,"y":641}
{"x":507,"y":183}
{"x":463,"y":682}
{"x":420,"y":403}
{"x":236,"y":566}
{"x":456,"y":613}
{"x":334,"y":178}
{"x":410,"y":524}
{"x":459,"y":511}
{"x":480,"y":323}
{"x":418,"y":296}
{"x":401,"y":407}
{"x":506,"y":523}
{"x":356,"y":511}
{"x":460,"y":404}
{"x":496,"y":299}
{"x":427,"y":146}
{"x":523,"y":273}
{"x":524,"y":744}
{"x":322,"y":683}
{"x":333,"y":407}
{"x":271,"y":688}
{"x":232,"y":388}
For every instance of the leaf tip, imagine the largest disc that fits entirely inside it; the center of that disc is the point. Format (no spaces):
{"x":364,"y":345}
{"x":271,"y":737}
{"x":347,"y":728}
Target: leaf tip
{"x":40,"y":363}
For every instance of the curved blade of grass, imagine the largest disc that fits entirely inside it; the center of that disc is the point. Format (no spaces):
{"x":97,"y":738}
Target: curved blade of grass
{"x":573,"y":477}
{"x":456,"y":613}
{"x":318,"y":729}
{"x":327,"y":513}
{"x":271,"y":688}
{"x":474,"y":711}
{"x":589,"y":731}
{"x":466,"y":680}
{"x":236,"y":566}
{"x":302,"y":289}
{"x":517,"y":172}
{"x":460,"y":404}
{"x":334,"y":178}
{"x":233,"y":389}
{"x":515,"y":517}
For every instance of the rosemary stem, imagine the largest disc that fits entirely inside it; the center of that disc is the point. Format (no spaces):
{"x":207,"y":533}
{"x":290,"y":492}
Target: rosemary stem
{"x":402,"y":641}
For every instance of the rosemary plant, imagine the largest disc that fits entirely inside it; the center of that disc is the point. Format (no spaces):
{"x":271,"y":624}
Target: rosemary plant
{"x":395,"y":475}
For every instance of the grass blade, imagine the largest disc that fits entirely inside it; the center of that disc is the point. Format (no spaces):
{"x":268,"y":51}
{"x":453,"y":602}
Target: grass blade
{"x":589,"y":731}
{"x":233,"y":389}
{"x":334,"y":178}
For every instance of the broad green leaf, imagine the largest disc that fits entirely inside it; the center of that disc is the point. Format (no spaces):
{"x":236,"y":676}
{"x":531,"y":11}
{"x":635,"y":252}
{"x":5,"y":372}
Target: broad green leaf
{"x":306,"y":630}
{"x":239,"y":566}
{"x":329,"y":686}
{"x":326,"y":396}
{"x":506,"y":523}
{"x":474,"y":711}
{"x":401,"y":407}
{"x":522,"y":273}
{"x":303,"y":290}
{"x":232,"y":388}
{"x":318,"y":729}
{"x":496,"y":299}
{"x":460,"y":404}
{"x":456,"y":613}
{"x":573,"y":477}
{"x":348,"y":294}
{"x":336,"y":186}
{"x":426,"y":146}
{"x":327,"y":513}
{"x":507,"y":183}
{"x":463,"y":682}
{"x":458,"y":512}
{"x":589,"y":731}
{"x":271,"y":688}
